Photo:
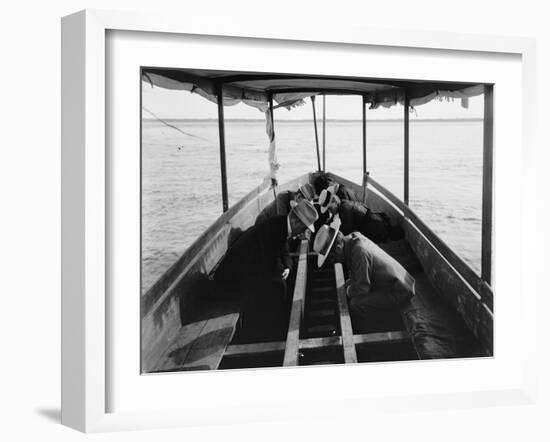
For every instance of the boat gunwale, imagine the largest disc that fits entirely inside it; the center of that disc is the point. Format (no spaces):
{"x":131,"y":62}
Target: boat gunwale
{"x":480,"y":287}
{"x":187,"y":259}
{"x":169,"y":280}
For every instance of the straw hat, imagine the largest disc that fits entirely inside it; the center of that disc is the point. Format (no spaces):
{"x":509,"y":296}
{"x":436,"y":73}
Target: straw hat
{"x":326,"y":197}
{"x":308,"y":191}
{"x":305,"y":211}
{"x":325,"y":239}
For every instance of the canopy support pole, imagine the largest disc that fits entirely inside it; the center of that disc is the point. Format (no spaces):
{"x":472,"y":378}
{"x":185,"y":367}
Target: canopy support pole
{"x":221,"y":130}
{"x":364,"y":135}
{"x":273,"y":182}
{"x":406,"y":109}
{"x":316,"y":134}
{"x":487,"y":204}
{"x":324,"y":131}
{"x":365,"y":173}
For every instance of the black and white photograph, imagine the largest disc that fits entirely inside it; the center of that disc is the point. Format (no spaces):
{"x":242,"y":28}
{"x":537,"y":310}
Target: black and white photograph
{"x":298,"y":220}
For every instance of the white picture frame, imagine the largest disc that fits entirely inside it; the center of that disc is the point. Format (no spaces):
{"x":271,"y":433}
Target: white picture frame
{"x":86,"y":206}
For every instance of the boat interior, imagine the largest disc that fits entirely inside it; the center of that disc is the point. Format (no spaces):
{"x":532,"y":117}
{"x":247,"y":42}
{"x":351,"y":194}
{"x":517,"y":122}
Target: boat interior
{"x":205,"y":331}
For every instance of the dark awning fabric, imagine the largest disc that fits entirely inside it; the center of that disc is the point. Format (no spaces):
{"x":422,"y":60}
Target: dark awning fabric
{"x":288,"y":90}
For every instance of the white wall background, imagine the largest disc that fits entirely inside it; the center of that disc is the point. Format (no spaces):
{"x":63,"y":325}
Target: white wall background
{"x":30,"y":217}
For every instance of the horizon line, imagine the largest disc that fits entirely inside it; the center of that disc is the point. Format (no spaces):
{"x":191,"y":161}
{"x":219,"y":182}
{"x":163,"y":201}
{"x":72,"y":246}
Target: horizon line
{"x":302,"y":120}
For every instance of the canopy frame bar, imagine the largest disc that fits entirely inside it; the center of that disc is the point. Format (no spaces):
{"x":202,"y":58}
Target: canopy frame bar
{"x":406,"y":112}
{"x":221,"y":130}
{"x":315,"y":90}
{"x":364,"y":125}
{"x":324,"y":132}
{"x":254,"y":77}
{"x":239,"y":78}
{"x":274,"y":182}
{"x":316,"y":134}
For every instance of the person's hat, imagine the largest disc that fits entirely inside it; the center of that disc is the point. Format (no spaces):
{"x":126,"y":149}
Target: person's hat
{"x":325,"y":239}
{"x":305,"y":211}
{"x":326,"y":197}
{"x":308,"y":191}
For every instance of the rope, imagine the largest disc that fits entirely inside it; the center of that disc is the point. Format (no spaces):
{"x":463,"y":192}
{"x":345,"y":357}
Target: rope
{"x":171,"y":125}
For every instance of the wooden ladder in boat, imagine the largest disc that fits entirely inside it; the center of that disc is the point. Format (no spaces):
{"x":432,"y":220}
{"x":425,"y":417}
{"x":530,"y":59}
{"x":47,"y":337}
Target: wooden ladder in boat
{"x":320,"y":329}
{"x":319,"y":315}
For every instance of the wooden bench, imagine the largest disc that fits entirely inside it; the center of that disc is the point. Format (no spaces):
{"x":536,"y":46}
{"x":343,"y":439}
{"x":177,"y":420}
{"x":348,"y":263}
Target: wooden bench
{"x":200,"y":345}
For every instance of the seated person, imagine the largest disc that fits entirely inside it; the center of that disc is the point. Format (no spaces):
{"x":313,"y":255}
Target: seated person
{"x":280,"y":206}
{"x":377,"y":282}
{"x":357,"y":217}
{"x":256,"y":266}
{"x":329,"y":201}
{"x":306,"y":191}
{"x":353,"y":215}
{"x":285,"y":201}
{"x":327,"y":206}
{"x":323,"y":181}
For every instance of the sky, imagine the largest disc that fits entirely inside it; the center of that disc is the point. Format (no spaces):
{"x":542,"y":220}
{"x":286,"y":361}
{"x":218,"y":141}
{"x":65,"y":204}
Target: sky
{"x":166,"y":103}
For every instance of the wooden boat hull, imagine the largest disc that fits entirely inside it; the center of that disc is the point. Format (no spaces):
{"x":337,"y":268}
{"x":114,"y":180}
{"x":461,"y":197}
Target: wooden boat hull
{"x":176,"y":313}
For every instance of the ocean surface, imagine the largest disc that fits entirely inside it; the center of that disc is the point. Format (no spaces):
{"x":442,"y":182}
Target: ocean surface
{"x":181,"y":187}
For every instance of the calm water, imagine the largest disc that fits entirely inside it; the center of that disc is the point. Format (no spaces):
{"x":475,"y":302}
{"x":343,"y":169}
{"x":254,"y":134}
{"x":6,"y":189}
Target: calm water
{"x":181,"y":193}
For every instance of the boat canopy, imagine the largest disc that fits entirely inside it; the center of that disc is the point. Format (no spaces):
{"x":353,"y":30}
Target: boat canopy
{"x":288,"y":90}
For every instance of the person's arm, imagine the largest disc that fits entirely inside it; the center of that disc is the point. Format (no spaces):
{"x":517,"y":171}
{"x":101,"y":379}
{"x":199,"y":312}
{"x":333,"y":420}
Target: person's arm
{"x":285,"y":260}
{"x":360,"y":272}
{"x":285,"y":257}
